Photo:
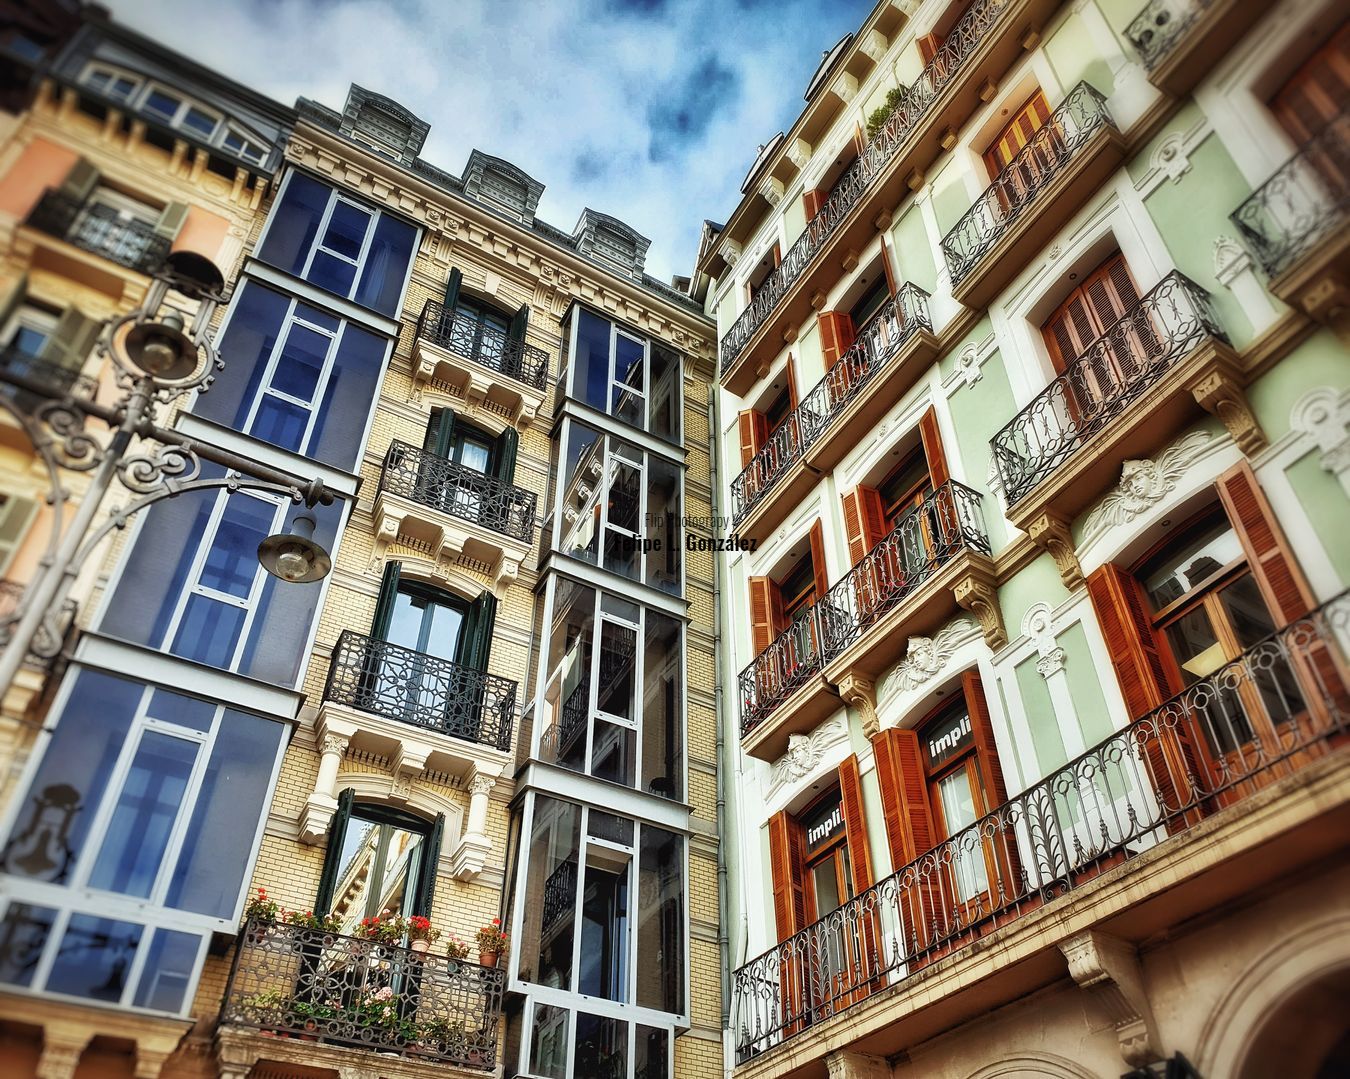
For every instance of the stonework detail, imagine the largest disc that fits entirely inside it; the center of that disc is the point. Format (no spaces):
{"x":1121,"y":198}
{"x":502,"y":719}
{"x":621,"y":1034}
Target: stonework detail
{"x":1324,"y":415}
{"x":805,"y":752}
{"x":1050,"y":532}
{"x":1108,"y":968}
{"x":846,"y":1065}
{"x":977,"y":591}
{"x":1038,"y":625}
{"x":1219,"y":393}
{"x":861,"y":692}
{"x":1143,"y":484}
{"x":927,"y":656}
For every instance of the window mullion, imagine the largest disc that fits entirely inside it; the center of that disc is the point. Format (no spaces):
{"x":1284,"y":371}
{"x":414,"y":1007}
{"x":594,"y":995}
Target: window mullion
{"x":259,"y":582}
{"x":48,"y":959}
{"x":173,"y":848}
{"x":319,"y":234}
{"x":269,"y":371}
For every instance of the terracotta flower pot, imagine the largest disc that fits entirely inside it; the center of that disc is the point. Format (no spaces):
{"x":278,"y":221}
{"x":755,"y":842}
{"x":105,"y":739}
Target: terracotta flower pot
{"x":422,"y":946}
{"x":487,"y":959}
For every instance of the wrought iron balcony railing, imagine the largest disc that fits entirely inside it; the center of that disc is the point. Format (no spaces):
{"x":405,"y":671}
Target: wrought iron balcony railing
{"x":1114,"y":371}
{"x":1037,"y":165}
{"x":937,"y":74}
{"x":425,"y":691}
{"x":877,"y":343}
{"x":1303,"y":203}
{"x":1160,"y":25}
{"x":65,"y":380}
{"x":928,"y":536}
{"x":363,"y":994}
{"x":484,"y":345}
{"x":97,"y":228}
{"x":1280,"y":705}
{"x":460,"y":491}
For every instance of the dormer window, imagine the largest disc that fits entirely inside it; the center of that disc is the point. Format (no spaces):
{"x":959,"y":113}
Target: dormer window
{"x":111,"y":84}
{"x":238,"y":145}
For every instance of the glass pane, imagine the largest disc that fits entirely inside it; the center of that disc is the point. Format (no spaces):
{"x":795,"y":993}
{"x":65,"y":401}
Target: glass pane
{"x":138,"y":832}
{"x":62,"y":801}
{"x":582,"y":492}
{"x":332,"y":273}
{"x":651,"y":1053}
{"x":231,"y":564}
{"x":1268,"y":665}
{"x":386,"y":265}
{"x":472,"y":453}
{"x":568,"y":692}
{"x":209,"y":631}
{"x":825,"y":881}
{"x":1247,"y":611}
{"x":405,"y":622}
{"x":958,"y":812}
{"x":551,"y":893}
{"x":381,"y":866}
{"x":663,"y":418}
{"x":661,"y":945}
{"x":608,"y":826}
{"x":95,"y":958}
{"x":294,"y":224}
{"x":612,"y":753}
{"x":301,"y":363}
{"x":604,"y":926}
{"x":1187,"y":565}
{"x":161,"y":104}
{"x":616,"y":689}
{"x":189,"y":712}
{"x":444,"y":623}
{"x":662,"y":702}
{"x":200,"y":122}
{"x":627,"y":402}
{"x":346,"y":230}
{"x":349,"y":397}
{"x":549,"y":1042}
{"x":601,"y":1048}
{"x":281,"y":423}
{"x":662,"y":525}
{"x":1195,"y":645}
{"x":249,"y":339}
{"x":590,"y":367}
{"x":23,"y":934}
{"x":168,"y":971}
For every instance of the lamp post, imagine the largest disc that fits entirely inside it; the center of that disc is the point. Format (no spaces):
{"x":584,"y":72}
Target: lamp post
{"x":160,"y":352}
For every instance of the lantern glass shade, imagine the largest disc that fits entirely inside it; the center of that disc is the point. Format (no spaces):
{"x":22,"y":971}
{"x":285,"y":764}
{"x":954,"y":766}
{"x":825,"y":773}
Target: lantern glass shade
{"x":295,"y":556}
{"x":161,"y":348}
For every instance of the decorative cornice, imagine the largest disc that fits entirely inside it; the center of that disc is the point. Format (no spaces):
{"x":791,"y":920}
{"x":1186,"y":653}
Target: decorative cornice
{"x":1144,"y":483}
{"x":805,"y":752}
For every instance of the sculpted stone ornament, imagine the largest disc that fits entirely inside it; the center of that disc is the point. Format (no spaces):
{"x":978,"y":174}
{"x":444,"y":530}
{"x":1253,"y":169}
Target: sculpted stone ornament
{"x":928,"y":655}
{"x":1145,"y":483}
{"x":804,"y":753}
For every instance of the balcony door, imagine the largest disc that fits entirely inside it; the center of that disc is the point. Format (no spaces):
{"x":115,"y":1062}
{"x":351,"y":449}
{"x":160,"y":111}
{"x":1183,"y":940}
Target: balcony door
{"x":1015,"y":174}
{"x":465,"y":458}
{"x":1314,"y":98}
{"x":786,"y":631}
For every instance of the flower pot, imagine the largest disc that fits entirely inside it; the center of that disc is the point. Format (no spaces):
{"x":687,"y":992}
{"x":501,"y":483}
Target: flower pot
{"x":420,"y":946}
{"x":487,"y":959}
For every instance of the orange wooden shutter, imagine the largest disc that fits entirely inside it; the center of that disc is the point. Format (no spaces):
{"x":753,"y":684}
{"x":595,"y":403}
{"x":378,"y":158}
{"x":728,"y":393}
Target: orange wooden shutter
{"x":982,"y":731}
{"x":1277,"y":572}
{"x":1144,"y":667}
{"x":904,"y":797}
{"x":855,"y":825}
{"x":818,"y":560}
{"x":789,"y":872}
{"x":864,"y":521}
{"x":1110,"y":292}
{"x":892,"y":285}
{"x":1016,"y":134}
{"x":754,"y":432}
{"x":836,"y":335}
{"x":766,"y":612}
{"x":1317,"y":92}
{"x":928,"y":46}
{"x":791,"y":383}
{"x":1070,"y":330}
{"x":938,"y":473}
{"x":812,"y":201}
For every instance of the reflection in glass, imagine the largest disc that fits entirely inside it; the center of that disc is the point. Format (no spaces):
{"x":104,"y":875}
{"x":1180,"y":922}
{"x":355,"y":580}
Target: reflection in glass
{"x":662,"y":695}
{"x":94,"y":958}
{"x":23,"y":934}
{"x":958,"y":812}
{"x":550,"y":894}
{"x":601,"y":1048}
{"x":604,"y":925}
{"x":660,"y":921}
{"x":381,"y":870}
{"x":548,"y":1042}
{"x":1212,"y":548}
{"x":168,"y":970}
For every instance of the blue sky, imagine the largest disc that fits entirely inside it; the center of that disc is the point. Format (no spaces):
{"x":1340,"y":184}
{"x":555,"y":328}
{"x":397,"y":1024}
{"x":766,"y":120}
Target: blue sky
{"x":649,"y":110}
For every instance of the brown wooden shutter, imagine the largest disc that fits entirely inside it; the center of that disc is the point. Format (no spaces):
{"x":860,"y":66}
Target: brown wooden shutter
{"x":855,"y":825}
{"x":1070,"y":330}
{"x":1317,"y":92}
{"x":818,"y":567}
{"x":766,"y":612}
{"x":836,"y":335}
{"x":1033,"y":113}
{"x":788,"y":868}
{"x":812,"y":201}
{"x":754,"y":430}
{"x":1282,"y":584}
{"x":864,"y":521}
{"x":904,"y":795}
{"x":928,"y":46}
{"x":792,"y":383}
{"x":982,"y":730}
{"x":938,"y":472}
{"x":1144,"y":666}
{"x":892,"y":283}
{"x":1110,"y":292}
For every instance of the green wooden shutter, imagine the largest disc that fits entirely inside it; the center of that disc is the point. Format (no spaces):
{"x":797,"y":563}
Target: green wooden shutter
{"x":332,"y":859}
{"x":431,"y":860}
{"x":384,"y":605}
{"x":452,"y":292}
{"x":508,"y":442}
{"x":476,"y":641}
{"x":70,"y":343}
{"x":171,"y":220}
{"x":80,"y":181}
{"x":518,"y":323}
{"x":440,"y":434}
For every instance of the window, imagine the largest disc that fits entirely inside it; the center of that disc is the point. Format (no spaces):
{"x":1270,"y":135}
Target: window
{"x":242,"y":146}
{"x":134,"y":843}
{"x":297,"y":377}
{"x":760,"y":274}
{"x":620,"y":507}
{"x":111,"y":83}
{"x":339,"y":244}
{"x":1315,"y":95}
{"x":613,"y":698}
{"x":16,"y":514}
{"x":624,"y":375}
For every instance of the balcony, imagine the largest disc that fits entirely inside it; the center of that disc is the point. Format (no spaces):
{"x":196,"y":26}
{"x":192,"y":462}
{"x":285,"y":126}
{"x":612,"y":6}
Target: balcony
{"x":1180,"y":40}
{"x":320,"y":996}
{"x":1052,"y":176}
{"x":479,"y":362}
{"x":1105,"y":831}
{"x":890,"y":353}
{"x":1295,"y":224}
{"x":980,"y":48}
{"x":456,"y":510}
{"x":1132,"y":390}
{"x":935,"y":559}
{"x":64,"y":381}
{"x":132,"y":244}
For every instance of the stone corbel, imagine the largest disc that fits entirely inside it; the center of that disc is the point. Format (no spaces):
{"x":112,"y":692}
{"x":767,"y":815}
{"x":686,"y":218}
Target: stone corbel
{"x":847,"y":1065}
{"x":334,"y":738}
{"x":150,"y":1060}
{"x":1219,"y":392}
{"x":977,"y":591}
{"x":845,"y":87}
{"x":508,"y":569}
{"x":410,"y":759}
{"x":1050,"y":532}
{"x":861,"y":692}
{"x":873,"y":45}
{"x":799,"y":152}
{"x":61,"y":1052}
{"x":730,"y":251}
{"x":1108,"y":969}
{"x":476,"y":389}
{"x":772,"y":189}
{"x":474,"y":846}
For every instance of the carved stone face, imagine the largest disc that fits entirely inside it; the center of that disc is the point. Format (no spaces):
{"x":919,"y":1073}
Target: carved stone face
{"x":1140,"y":482}
{"x":922,"y":654}
{"x":799,"y":752}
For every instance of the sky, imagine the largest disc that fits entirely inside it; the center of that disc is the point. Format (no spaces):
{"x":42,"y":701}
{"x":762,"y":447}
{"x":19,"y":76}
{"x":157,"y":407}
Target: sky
{"x":648,"y":110}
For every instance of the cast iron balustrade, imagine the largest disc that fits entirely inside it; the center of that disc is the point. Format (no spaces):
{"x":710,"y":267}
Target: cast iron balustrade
{"x":963,"y":40}
{"x":133,"y":244}
{"x":424,"y":691}
{"x":947,"y":522}
{"x":485,"y":345}
{"x":878,"y":341}
{"x":1036,"y":166}
{"x":64,"y":380}
{"x":1197,"y":753}
{"x":362,"y":994}
{"x":1303,"y":203}
{"x":460,"y":491}
{"x":1160,"y":25}
{"x":559,"y":896}
{"x":1114,"y":371}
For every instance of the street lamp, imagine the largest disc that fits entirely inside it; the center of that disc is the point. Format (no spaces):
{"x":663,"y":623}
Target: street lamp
{"x":160,"y":352}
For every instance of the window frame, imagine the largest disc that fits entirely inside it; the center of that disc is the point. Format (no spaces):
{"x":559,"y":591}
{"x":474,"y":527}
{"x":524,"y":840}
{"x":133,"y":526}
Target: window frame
{"x":291,"y":319}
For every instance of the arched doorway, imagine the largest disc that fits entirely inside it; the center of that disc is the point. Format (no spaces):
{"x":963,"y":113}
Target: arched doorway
{"x":1306,"y":1035}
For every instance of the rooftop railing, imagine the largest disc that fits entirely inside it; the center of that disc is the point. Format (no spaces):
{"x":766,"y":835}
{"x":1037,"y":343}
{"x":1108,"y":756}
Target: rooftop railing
{"x":1114,"y":371}
{"x":485,"y":345}
{"x":1279,"y":706}
{"x":458,"y":490}
{"x":99,"y":229}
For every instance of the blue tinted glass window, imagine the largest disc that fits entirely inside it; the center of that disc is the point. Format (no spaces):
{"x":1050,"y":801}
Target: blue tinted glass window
{"x":346,"y":232}
{"x":295,"y":223}
{"x":138,"y":832}
{"x":161,"y":104}
{"x":231,"y":564}
{"x":168,"y":970}
{"x":246,"y":347}
{"x":332,"y":273}
{"x":590,"y":363}
{"x":352,"y":389}
{"x":386,"y":265}
{"x":184,"y":711}
{"x":95,"y":958}
{"x":281,"y":423}
{"x":200,"y":122}
{"x":23,"y":934}
{"x":209,"y":631}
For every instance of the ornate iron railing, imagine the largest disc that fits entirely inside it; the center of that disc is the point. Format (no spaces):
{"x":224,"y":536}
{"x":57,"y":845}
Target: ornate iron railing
{"x":134,"y":244}
{"x":364,"y":994}
{"x":945,"y":523}
{"x":964,"y":39}
{"x":1037,"y":165}
{"x":560,"y":892}
{"x":426,"y":691}
{"x":1160,"y":25}
{"x":1303,"y":203}
{"x":458,"y":490}
{"x":1283,"y":703}
{"x":1114,"y":371}
{"x":484,"y":345}
{"x":66,"y":380}
{"x":877,"y":343}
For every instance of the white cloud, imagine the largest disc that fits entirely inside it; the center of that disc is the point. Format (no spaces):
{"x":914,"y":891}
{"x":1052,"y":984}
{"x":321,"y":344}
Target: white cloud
{"x":547,"y":86}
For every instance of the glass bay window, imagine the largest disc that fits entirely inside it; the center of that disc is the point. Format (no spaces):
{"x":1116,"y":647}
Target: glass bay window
{"x":619,"y":372}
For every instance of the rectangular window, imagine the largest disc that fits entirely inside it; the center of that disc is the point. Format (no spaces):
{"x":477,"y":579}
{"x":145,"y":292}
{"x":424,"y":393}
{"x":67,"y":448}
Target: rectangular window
{"x":339,"y":244}
{"x":626,"y":376}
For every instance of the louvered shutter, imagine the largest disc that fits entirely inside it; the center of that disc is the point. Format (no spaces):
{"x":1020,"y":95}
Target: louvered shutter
{"x":753,"y":430}
{"x":766,"y":612}
{"x":788,"y":868}
{"x":476,"y":637}
{"x":431,"y":860}
{"x":80,"y":181}
{"x":440,"y":432}
{"x":171,"y":219}
{"x":1277,"y":572}
{"x":855,"y":825}
{"x":1070,"y":330}
{"x":812,"y":201}
{"x":384,"y":602}
{"x":519,"y":321}
{"x":836,"y":335}
{"x":71,"y":341}
{"x":909,"y":831}
{"x":818,"y":567}
{"x":933,"y":453}
{"x":864,"y":521}
{"x":1003,"y":846}
{"x":791,"y":372}
{"x":1316,"y":94}
{"x":508,"y":445}
{"x":451,"y":295}
{"x":332,"y":858}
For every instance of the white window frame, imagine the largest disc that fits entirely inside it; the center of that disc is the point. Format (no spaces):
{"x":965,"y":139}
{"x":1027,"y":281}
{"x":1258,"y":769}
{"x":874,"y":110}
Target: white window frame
{"x":113,"y":73}
{"x":27,"y":316}
{"x":359,"y":263}
{"x":253,"y":152}
{"x":265,"y":387}
{"x":178,"y":120}
{"x":616,"y":385}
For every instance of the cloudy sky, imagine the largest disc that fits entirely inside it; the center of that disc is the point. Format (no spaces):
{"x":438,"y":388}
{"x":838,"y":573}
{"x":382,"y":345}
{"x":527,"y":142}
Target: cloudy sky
{"x":649,"y":110}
